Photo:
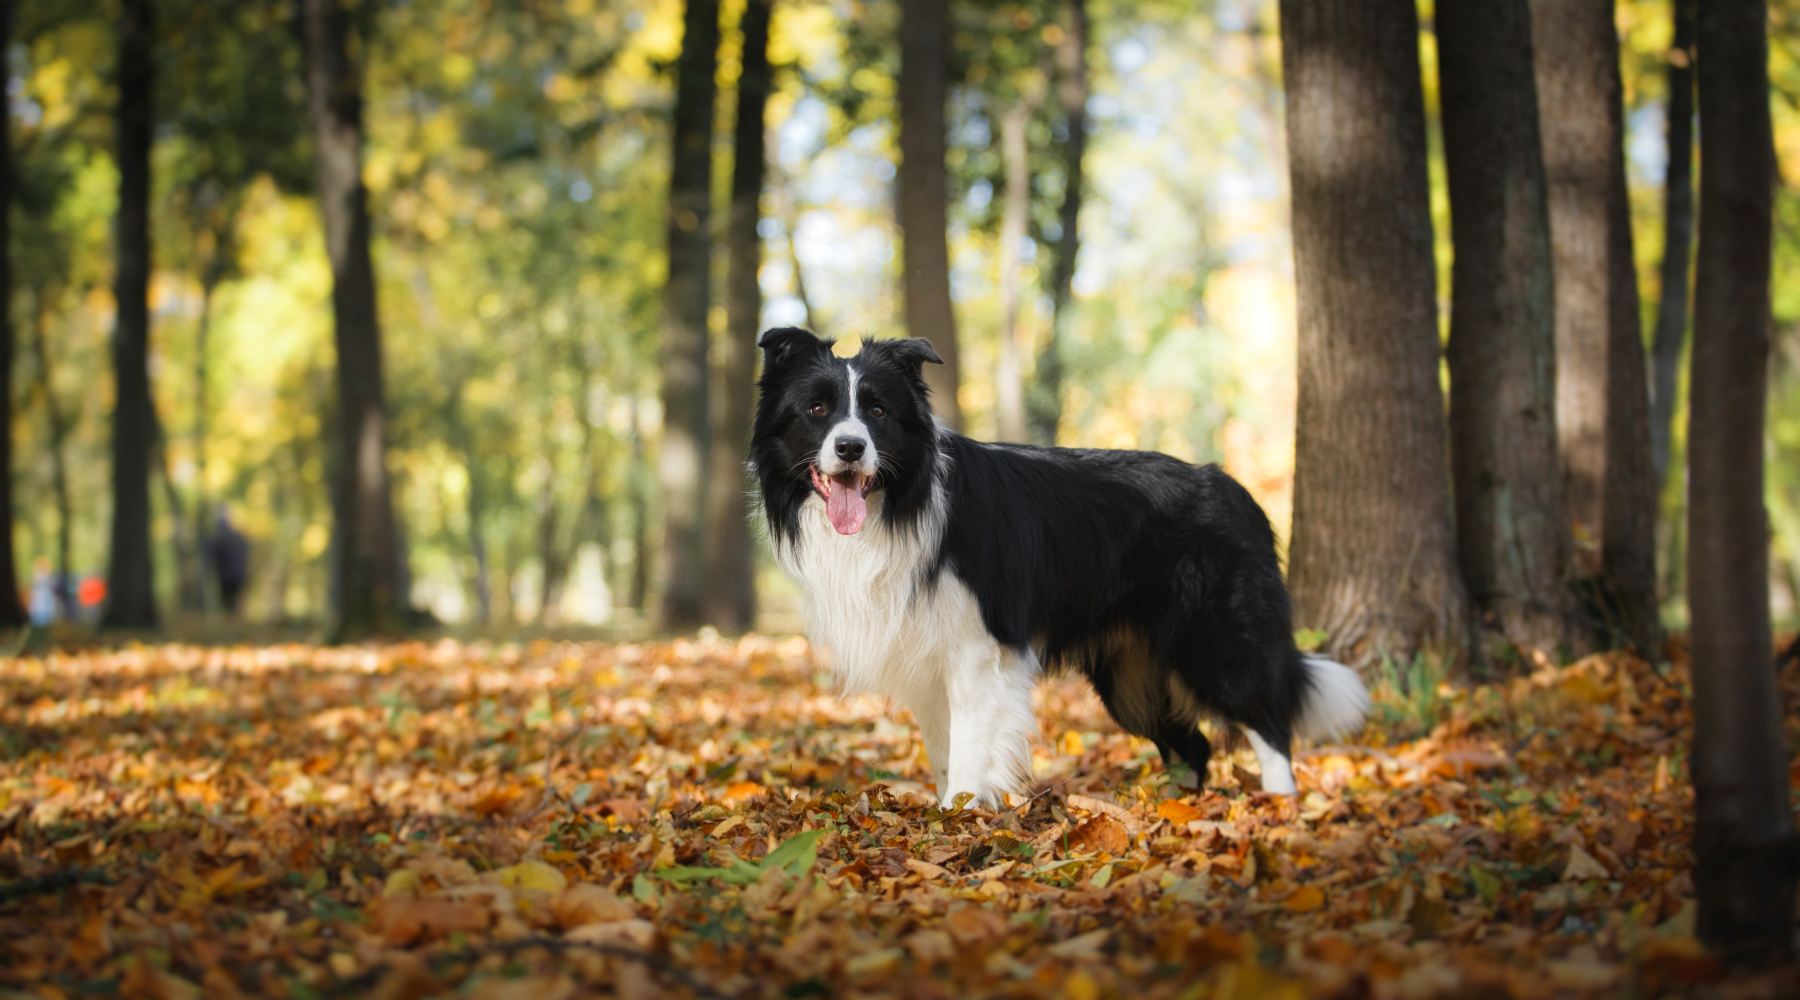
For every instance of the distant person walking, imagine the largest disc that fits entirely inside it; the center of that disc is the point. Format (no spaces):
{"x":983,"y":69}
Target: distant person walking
{"x":229,"y":552}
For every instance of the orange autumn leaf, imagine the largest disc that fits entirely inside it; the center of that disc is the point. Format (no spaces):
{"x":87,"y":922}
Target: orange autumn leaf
{"x":1305,"y":899}
{"x":742,"y":791}
{"x":1177,"y":811}
{"x":1100,"y":835}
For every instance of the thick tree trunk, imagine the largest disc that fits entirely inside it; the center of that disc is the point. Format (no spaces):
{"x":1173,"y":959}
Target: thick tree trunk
{"x":1602,"y":397}
{"x":1372,"y":559}
{"x":1009,"y":373}
{"x":1045,"y":400}
{"x":131,"y":602}
{"x":1512,"y":534}
{"x":367,"y":563}
{"x":1678,"y":239}
{"x":924,"y":199}
{"x":687,"y":295}
{"x":59,"y":463}
{"x":1744,"y":846}
{"x":730,"y":600}
{"x":12,"y":612}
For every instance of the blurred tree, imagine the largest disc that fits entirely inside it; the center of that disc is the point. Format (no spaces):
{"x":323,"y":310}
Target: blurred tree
{"x":1512,"y":535}
{"x":1009,"y":375}
{"x":1602,"y":396}
{"x":730,"y":598}
{"x":924,"y":196}
{"x":1744,"y":844}
{"x":1678,"y":237}
{"x":131,"y":599}
{"x":687,"y":297}
{"x":368,"y":574}
{"x":1372,"y":559}
{"x":1045,"y":399}
{"x":12,"y":611}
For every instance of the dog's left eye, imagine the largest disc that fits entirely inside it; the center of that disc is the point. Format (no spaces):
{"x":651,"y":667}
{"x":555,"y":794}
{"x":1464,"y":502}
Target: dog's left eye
{"x":819,"y":409}
{"x":877,"y":411}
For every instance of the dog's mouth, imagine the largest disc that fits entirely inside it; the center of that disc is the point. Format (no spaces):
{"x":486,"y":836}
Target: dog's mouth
{"x":846,"y":498}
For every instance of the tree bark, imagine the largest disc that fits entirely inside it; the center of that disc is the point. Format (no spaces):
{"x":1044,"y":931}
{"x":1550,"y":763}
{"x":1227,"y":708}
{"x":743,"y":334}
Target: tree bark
{"x":1678,"y":239}
{"x":130,"y":600}
{"x":687,"y":295}
{"x":730,"y":598}
{"x":1602,"y":396}
{"x":59,"y":462}
{"x":640,"y":520}
{"x":924,"y":199}
{"x":12,"y":611}
{"x":1045,"y":400}
{"x":1009,"y":374}
{"x":1512,"y":534}
{"x":1744,"y":844}
{"x":367,"y":553}
{"x":1372,"y":559}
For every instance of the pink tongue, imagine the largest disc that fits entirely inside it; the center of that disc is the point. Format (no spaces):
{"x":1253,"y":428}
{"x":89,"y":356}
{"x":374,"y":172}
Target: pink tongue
{"x":846,"y":508}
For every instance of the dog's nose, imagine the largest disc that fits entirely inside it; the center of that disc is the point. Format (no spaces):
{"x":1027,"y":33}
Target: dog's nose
{"x":849,"y":449}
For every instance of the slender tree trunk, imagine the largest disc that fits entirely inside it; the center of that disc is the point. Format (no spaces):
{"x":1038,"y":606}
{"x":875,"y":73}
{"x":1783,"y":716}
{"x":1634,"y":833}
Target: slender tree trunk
{"x":790,"y":223}
{"x":640,"y":519}
{"x":190,"y":557}
{"x":1511,"y":530}
{"x":682,"y":464}
{"x":730,"y":599}
{"x":1744,"y":845}
{"x":12,"y":611}
{"x":1045,"y":400}
{"x":550,"y":561}
{"x":131,"y":601}
{"x":1602,"y":396}
{"x":59,"y":463}
{"x":1372,"y":560}
{"x":368,"y":586}
{"x":1678,"y":238}
{"x":475,"y":510}
{"x":1009,"y":375}
{"x":209,"y":284}
{"x":924,"y":199}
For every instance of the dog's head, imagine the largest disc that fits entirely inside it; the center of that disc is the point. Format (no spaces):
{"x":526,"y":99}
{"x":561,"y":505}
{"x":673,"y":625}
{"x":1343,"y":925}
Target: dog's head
{"x":839,"y":429}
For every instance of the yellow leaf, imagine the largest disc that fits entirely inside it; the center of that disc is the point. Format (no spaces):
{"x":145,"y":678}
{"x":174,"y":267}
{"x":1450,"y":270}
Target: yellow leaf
{"x":1304,"y":900}
{"x":532,"y":875}
{"x":404,"y":882}
{"x":1070,"y":743}
{"x":1177,"y":811}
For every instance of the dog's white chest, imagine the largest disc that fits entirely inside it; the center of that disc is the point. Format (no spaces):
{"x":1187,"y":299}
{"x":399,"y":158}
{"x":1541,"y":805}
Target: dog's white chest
{"x":881,"y":629}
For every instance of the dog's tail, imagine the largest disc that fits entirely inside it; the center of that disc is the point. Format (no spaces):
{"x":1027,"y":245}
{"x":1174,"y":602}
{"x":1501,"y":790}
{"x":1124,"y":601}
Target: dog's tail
{"x":1335,"y":700}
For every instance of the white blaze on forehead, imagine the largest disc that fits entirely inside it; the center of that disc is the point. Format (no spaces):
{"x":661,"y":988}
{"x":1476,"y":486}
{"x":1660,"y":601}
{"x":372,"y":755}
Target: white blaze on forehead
{"x":851,"y":427}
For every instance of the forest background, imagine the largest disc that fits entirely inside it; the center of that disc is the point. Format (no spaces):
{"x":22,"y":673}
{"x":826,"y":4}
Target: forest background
{"x":517,"y":168}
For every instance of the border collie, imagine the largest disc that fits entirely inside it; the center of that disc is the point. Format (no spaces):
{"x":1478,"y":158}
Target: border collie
{"x":948,"y":574}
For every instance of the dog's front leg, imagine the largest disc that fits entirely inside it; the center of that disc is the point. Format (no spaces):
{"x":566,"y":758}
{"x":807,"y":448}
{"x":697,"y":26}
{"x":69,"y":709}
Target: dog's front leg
{"x":930,"y":705}
{"x":991,"y":723}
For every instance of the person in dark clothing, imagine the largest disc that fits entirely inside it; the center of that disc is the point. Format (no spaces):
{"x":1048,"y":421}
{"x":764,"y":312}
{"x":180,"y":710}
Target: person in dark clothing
{"x":229,"y":552}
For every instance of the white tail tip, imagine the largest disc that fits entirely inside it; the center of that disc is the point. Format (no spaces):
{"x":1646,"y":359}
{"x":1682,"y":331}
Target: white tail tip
{"x":1336,"y":700}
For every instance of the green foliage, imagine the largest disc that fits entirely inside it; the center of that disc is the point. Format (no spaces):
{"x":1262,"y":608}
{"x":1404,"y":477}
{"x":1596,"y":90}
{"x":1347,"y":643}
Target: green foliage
{"x":1407,"y":696}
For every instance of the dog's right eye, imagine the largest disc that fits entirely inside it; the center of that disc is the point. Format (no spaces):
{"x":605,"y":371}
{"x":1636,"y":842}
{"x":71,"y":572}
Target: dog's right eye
{"x":819,"y":409}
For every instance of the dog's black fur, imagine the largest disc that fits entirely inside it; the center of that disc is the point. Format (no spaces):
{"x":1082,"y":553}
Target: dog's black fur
{"x":1090,"y":558}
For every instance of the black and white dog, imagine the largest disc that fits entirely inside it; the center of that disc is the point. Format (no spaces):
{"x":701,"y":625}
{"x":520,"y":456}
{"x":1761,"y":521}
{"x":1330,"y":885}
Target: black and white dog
{"x":948,"y":573}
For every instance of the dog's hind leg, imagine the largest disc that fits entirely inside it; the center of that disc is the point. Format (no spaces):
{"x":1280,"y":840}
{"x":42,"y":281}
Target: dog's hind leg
{"x":931,"y":707}
{"x":1271,"y":748}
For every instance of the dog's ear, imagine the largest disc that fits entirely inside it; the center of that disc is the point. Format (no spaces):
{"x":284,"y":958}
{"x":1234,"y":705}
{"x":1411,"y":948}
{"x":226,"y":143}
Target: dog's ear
{"x":910,"y":353}
{"x":787,"y":346}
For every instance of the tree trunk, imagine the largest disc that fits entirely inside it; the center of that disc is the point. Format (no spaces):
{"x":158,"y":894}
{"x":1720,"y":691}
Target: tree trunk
{"x":1372,"y":559}
{"x":640,"y":520}
{"x":730,"y":598}
{"x":790,"y":222}
{"x":687,"y":295}
{"x":1009,"y":374}
{"x":1602,"y":398}
{"x":59,"y":463}
{"x":12,"y":611}
{"x":1045,"y":401}
{"x":924,"y":199}
{"x":131,"y":601}
{"x":476,"y":508}
{"x":1512,"y":534}
{"x":1743,"y":835}
{"x":368,"y":555}
{"x":1678,"y":239}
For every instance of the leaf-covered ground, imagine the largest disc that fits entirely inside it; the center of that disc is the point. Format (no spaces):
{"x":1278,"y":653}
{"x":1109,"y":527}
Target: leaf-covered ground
{"x":707,"y":818}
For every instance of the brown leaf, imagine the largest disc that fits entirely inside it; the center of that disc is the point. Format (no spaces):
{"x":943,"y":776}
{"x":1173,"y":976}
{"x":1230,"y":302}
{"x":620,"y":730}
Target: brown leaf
{"x":404,"y":920}
{"x":586,"y":903}
{"x":975,"y":924}
{"x":1098,"y":835}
